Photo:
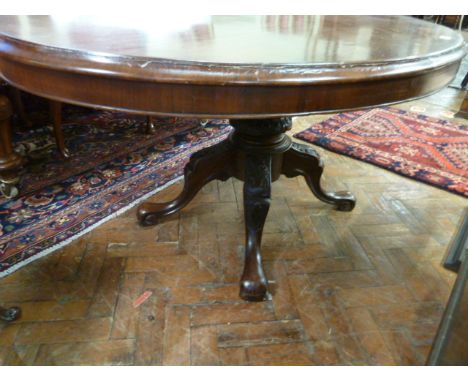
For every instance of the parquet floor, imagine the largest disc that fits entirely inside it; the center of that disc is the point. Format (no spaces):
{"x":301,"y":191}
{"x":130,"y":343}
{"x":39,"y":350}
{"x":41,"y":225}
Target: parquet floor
{"x":359,"y":288}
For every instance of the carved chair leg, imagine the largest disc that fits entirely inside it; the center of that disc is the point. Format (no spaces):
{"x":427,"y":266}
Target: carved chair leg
{"x":56,"y":114}
{"x":10,"y":162}
{"x":305,"y":161}
{"x":204,"y":166}
{"x":257,"y":196}
{"x":10,"y":314}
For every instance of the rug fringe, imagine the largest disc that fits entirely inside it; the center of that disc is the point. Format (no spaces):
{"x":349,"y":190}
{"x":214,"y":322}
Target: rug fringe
{"x":56,"y":247}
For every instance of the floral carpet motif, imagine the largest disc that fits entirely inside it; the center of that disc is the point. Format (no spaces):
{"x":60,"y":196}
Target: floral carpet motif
{"x":114,"y":165}
{"x":427,"y":149}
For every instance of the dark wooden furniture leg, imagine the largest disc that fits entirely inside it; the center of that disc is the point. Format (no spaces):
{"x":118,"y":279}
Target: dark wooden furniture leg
{"x":15,"y":96}
{"x":204,"y":166}
{"x":56,"y":114}
{"x":10,"y":314}
{"x":150,"y":127}
{"x":257,"y":197}
{"x":10,"y":162}
{"x":304,"y":160}
{"x":257,"y":152}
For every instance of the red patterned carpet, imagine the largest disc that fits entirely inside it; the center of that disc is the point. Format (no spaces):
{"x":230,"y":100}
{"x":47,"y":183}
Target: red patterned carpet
{"x":114,"y":165}
{"x":427,"y":149}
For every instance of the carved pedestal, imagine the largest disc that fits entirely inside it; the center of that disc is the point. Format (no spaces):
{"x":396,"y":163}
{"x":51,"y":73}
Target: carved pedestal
{"x":257,"y":152}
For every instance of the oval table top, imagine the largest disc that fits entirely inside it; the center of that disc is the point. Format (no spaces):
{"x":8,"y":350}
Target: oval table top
{"x":228,"y":66}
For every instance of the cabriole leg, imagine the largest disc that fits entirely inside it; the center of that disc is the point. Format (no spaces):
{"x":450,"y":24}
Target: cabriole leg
{"x":305,"y":161}
{"x":204,"y":166}
{"x":257,"y":196}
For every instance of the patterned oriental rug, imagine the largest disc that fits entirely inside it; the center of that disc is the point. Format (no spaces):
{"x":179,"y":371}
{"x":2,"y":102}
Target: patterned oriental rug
{"x":114,"y":166}
{"x":427,"y":149}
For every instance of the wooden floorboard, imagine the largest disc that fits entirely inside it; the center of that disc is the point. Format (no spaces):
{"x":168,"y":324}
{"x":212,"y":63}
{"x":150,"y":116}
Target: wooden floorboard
{"x":359,"y":288}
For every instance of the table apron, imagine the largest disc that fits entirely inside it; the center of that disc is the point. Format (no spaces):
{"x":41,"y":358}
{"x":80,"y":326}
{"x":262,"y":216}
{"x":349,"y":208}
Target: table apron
{"x":220,"y":101}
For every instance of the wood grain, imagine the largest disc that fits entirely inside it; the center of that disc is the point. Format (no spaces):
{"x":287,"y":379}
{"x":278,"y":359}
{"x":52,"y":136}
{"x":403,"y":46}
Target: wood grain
{"x":374,"y":311}
{"x":243,"y":67}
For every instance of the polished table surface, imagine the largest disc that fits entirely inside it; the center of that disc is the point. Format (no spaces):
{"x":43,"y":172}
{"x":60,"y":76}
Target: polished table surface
{"x":258,"y":71}
{"x":253,"y":65}
{"x":294,"y":40}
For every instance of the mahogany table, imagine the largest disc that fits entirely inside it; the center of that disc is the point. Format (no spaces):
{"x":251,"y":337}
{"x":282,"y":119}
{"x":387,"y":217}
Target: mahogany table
{"x":257,"y":71}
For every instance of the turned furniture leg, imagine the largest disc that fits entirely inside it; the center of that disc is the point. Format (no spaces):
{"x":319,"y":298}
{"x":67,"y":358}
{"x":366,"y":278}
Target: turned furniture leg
{"x":10,"y":314}
{"x":257,"y":196}
{"x":15,"y":96}
{"x":150,"y":127}
{"x":304,"y":160}
{"x":204,"y":166}
{"x":10,"y":162}
{"x":56,"y":114}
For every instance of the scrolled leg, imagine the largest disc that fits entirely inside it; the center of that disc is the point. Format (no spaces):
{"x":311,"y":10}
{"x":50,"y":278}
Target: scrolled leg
{"x":305,"y":161}
{"x":204,"y":166}
{"x":257,"y":196}
{"x":10,"y":314}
